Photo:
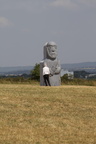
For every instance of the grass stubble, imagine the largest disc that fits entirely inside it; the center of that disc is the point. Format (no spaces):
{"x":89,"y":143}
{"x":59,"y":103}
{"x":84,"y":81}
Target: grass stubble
{"x":47,"y":115}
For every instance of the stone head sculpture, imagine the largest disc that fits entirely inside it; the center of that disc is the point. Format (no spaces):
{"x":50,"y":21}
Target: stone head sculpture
{"x":50,"y":58}
{"x":50,"y":50}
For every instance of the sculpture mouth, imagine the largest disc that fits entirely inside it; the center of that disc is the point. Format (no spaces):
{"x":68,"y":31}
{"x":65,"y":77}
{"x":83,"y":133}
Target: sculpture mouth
{"x":53,"y":53}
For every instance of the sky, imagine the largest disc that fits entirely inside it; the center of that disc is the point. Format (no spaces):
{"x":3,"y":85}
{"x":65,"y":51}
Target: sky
{"x":26,"y":25}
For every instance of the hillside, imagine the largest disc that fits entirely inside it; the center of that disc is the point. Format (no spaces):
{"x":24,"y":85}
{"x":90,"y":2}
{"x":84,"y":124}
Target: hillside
{"x":87,"y":66}
{"x":15,"y":70}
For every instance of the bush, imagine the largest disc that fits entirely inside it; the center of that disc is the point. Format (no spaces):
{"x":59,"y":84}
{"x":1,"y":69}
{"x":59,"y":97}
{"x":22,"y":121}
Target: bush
{"x":78,"y":81}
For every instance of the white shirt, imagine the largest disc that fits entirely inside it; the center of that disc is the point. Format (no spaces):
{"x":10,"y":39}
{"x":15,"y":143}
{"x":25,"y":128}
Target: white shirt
{"x":46,"y":70}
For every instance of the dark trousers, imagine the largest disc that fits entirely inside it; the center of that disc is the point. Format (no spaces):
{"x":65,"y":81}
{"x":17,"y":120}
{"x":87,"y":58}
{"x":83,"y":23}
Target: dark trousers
{"x":46,"y":80}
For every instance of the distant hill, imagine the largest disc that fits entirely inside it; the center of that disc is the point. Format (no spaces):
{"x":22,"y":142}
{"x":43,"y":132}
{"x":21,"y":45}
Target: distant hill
{"x":87,"y":66}
{"x":15,"y":70}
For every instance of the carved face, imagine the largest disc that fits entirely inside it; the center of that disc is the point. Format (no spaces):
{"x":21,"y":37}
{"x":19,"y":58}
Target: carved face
{"x":52,"y":51}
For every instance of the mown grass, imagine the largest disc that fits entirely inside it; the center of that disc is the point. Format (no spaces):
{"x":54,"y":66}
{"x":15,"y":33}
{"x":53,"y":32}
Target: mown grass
{"x":21,"y":80}
{"x":32,"y":114}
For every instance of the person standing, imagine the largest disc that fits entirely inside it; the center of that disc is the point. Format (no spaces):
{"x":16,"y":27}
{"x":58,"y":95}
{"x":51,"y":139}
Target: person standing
{"x":46,"y":73}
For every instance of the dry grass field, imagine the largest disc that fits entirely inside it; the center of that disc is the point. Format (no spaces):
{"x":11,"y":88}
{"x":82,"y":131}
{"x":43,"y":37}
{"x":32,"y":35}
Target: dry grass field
{"x":47,"y":115}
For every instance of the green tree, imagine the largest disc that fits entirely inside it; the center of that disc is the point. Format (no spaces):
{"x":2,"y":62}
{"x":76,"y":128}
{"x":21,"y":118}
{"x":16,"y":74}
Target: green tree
{"x":35,"y":73}
{"x":64,"y":78}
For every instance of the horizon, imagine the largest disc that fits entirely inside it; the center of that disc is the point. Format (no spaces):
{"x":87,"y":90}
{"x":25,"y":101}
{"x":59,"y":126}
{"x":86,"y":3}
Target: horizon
{"x":38,"y":63}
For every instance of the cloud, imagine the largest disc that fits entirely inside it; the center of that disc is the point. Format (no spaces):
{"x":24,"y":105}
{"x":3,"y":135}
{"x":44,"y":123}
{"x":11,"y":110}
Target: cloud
{"x":4,"y":22}
{"x":69,"y":4}
{"x":73,"y":4}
